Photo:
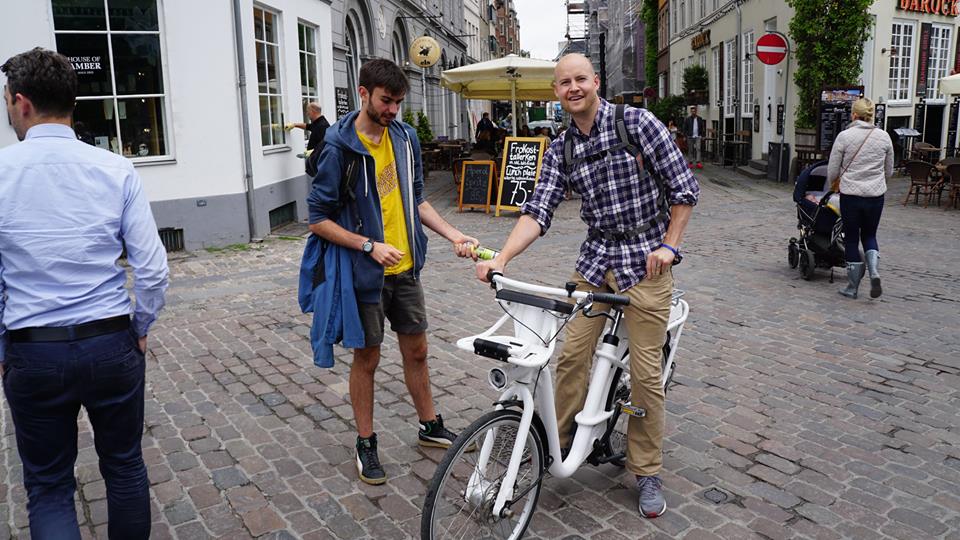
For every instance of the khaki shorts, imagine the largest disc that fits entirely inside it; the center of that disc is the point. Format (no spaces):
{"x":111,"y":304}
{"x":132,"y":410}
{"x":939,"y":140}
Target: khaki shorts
{"x":401,"y":301}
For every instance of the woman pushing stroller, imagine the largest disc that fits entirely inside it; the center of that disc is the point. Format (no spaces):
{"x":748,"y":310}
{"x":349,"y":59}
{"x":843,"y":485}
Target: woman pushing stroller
{"x":862,"y":158}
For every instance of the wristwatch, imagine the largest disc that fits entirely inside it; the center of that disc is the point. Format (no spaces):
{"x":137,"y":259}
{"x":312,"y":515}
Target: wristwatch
{"x":367,"y":247}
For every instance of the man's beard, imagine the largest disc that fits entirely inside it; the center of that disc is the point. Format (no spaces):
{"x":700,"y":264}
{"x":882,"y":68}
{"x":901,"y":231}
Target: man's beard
{"x":377,"y":117}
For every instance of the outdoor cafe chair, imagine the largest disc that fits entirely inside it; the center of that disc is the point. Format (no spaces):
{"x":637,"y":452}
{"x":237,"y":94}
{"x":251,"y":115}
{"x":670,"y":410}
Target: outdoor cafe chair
{"x":922,"y":182}
{"x":952,"y":184}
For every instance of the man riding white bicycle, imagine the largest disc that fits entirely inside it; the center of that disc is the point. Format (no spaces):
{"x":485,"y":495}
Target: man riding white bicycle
{"x":636,"y":222}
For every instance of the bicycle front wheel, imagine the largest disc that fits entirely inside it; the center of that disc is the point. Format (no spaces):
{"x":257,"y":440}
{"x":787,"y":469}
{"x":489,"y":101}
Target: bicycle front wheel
{"x":459,"y":503}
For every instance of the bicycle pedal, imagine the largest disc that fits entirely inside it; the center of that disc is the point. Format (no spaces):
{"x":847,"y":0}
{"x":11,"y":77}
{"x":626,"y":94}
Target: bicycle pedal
{"x":632,"y":410}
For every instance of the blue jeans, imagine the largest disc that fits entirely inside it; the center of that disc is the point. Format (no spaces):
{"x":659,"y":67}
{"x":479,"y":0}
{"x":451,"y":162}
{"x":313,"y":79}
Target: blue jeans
{"x":861,"y":218}
{"x":45,"y":385}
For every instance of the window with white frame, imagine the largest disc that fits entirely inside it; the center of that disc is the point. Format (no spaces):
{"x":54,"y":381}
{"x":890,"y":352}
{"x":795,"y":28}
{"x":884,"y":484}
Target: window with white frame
{"x":266,"y":29}
{"x":702,"y":9}
{"x":902,"y":37}
{"x":939,"y":57}
{"x":683,"y":14}
{"x":715,"y":76}
{"x":746,"y":75}
{"x":309,"y":87}
{"x":702,"y":60}
{"x":116,"y":52}
{"x":673,"y":17}
{"x":730,"y":75}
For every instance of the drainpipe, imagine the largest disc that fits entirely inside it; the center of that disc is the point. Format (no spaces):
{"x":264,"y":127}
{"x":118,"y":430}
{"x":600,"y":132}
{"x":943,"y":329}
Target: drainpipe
{"x":245,"y":123}
{"x":739,"y":65}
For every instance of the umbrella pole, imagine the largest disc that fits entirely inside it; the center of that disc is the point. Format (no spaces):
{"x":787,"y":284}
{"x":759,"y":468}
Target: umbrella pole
{"x":513,"y":104}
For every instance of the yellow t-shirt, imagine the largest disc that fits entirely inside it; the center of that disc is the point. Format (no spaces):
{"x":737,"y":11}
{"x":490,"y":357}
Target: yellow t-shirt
{"x":391,"y":204}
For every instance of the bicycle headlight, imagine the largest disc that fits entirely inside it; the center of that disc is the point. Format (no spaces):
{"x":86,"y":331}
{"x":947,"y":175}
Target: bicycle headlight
{"x":497,"y":378}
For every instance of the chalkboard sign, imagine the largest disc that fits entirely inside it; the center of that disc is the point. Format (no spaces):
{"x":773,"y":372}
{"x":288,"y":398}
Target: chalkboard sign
{"x":834,"y":113}
{"x":343,"y":101}
{"x":920,"y":116}
{"x":476,"y":180}
{"x":780,"y":118}
{"x":522,"y":157}
{"x":880,"y":115}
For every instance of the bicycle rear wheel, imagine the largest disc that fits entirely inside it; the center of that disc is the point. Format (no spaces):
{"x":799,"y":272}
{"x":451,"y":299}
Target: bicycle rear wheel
{"x":456,"y":507}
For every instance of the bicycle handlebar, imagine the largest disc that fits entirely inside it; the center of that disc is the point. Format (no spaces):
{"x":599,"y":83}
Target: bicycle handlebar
{"x":497,"y":278}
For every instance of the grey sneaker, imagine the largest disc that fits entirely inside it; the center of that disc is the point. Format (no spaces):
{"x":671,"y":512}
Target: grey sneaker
{"x":652,"y":503}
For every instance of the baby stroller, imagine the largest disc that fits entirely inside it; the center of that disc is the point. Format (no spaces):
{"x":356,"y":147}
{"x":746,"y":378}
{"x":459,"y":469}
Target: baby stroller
{"x":820,"y":244}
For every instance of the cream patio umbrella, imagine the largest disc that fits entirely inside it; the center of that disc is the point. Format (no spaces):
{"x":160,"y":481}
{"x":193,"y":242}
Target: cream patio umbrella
{"x":511,"y":77}
{"x":950,"y":84}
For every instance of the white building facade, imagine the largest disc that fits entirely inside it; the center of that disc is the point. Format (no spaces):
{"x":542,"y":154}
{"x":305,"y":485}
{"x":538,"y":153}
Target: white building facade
{"x":912,"y":45}
{"x":196,"y":96}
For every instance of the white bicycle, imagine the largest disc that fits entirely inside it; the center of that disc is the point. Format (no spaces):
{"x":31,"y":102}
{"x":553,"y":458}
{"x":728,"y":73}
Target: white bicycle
{"x":493,"y":493}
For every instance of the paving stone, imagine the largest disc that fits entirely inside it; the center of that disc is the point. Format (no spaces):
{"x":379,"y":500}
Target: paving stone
{"x":818,"y":418}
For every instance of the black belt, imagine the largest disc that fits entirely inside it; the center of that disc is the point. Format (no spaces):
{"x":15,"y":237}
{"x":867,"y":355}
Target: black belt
{"x":619,"y":236}
{"x":71,"y":333}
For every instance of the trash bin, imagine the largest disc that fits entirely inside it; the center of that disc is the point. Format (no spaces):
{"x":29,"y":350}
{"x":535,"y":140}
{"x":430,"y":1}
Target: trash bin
{"x":774,"y":163}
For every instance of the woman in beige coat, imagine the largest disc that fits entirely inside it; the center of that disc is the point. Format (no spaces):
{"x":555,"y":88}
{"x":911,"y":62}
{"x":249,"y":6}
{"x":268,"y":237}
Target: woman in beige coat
{"x":862,"y":156}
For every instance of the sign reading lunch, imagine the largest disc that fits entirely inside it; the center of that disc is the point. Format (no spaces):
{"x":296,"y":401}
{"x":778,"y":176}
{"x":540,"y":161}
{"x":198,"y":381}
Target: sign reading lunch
{"x":85,"y":65}
{"x":522,"y":157}
{"x":950,"y":8}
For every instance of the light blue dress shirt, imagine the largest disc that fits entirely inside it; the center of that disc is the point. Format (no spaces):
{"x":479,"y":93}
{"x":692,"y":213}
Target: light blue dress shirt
{"x":67,"y":210}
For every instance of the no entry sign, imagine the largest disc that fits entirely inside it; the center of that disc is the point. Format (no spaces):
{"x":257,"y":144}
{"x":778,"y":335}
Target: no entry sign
{"x":771,"y":49}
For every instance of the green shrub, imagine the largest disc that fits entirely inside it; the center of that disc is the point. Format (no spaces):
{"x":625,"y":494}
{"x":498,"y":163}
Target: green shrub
{"x":424,"y":133}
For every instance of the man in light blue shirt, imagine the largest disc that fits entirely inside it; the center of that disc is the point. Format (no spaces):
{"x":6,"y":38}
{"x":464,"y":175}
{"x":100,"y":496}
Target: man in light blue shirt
{"x":67,"y":339}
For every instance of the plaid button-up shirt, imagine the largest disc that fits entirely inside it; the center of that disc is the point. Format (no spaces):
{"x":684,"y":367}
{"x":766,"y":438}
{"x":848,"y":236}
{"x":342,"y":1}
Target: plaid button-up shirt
{"x":617,"y":195}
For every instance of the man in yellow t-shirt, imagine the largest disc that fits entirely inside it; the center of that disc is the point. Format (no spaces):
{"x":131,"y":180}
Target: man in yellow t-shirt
{"x":384,"y":225}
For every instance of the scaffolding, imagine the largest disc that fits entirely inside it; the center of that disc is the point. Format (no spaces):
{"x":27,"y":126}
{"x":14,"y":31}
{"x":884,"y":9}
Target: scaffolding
{"x":576,"y":20}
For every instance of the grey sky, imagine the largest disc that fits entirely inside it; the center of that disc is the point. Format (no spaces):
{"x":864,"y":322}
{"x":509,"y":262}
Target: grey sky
{"x":543,"y":24}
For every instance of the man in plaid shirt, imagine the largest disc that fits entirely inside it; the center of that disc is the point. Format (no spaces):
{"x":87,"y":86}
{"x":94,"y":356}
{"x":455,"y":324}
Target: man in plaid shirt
{"x":631,"y":244}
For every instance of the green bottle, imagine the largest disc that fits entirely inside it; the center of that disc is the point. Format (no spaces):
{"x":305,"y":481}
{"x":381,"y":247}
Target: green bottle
{"x":485,"y":254}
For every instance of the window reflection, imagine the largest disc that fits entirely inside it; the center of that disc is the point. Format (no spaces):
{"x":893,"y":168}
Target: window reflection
{"x":94,"y":123}
{"x":134,"y":15}
{"x":90,"y":58}
{"x":79,"y":15}
{"x":141,"y":127}
{"x":137,"y":63}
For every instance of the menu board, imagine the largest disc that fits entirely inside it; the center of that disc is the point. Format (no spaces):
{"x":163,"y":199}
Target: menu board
{"x":522,"y":158}
{"x":343,"y":101}
{"x":880,"y":115}
{"x":834,"y":113}
{"x":919,"y":116}
{"x":476,"y":180}
{"x":781,"y":117}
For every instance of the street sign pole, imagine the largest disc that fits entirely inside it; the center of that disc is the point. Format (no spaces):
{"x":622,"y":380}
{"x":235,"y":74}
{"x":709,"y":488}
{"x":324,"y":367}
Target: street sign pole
{"x":786,"y":98}
{"x":772,"y":51}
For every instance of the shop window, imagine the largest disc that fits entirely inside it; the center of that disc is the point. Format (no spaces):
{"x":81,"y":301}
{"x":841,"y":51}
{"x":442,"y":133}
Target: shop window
{"x":939,"y":59}
{"x":115,"y":48}
{"x":902,"y":37}
{"x":309,"y":87}
{"x":730,"y":77}
{"x":747,"y":74}
{"x":269,"y":89}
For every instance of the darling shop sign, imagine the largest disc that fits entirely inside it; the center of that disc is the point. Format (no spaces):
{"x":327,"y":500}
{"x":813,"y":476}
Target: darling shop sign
{"x":949,"y":8}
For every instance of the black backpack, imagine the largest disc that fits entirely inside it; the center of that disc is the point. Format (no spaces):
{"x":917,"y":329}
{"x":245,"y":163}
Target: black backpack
{"x":626,"y":144}
{"x":349,"y":171}
{"x":310,"y":164}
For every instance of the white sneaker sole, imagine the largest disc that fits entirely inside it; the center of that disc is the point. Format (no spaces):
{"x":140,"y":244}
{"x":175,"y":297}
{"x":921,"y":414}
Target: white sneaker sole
{"x":645,"y":515}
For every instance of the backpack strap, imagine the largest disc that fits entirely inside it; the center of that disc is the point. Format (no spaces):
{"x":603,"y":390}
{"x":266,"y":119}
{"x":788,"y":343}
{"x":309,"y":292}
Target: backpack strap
{"x":350,"y":170}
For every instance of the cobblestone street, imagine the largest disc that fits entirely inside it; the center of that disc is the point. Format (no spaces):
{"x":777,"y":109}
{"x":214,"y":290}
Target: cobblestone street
{"x":817,"y":416}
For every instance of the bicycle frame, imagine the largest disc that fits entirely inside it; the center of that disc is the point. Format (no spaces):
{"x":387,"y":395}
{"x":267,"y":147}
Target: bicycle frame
{"x":528,"y":381}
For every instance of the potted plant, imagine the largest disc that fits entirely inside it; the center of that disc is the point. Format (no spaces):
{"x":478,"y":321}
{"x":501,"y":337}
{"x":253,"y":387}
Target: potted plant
{"x":424,"y":133}
{"x":695,"y":84}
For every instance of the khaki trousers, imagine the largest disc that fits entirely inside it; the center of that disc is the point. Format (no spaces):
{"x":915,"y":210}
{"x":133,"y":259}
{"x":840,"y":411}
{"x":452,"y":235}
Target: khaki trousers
{"x":646,"y":321}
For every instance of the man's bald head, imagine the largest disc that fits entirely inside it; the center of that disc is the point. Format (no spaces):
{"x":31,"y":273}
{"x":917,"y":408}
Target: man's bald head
{"x":313,"y":110}
{"x":576,"y":84}
{"x":574,"y":60}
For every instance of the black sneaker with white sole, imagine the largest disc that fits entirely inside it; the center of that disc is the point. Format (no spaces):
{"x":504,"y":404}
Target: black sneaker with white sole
{"x":434,"y":435}
{"x":368,"y":462}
